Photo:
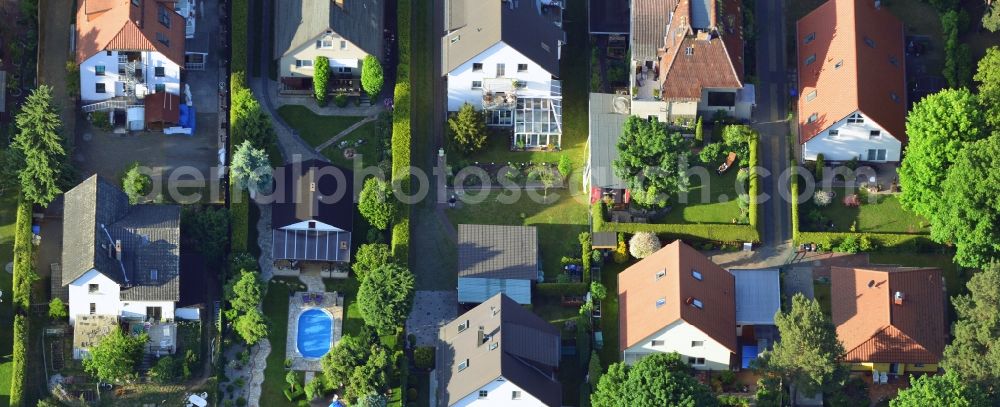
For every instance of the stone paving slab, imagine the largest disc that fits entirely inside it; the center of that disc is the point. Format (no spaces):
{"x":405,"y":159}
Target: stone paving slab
{"x":431,"y":310}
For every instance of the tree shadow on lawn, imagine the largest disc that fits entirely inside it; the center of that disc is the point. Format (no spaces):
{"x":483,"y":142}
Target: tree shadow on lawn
{"x":714,"y":202}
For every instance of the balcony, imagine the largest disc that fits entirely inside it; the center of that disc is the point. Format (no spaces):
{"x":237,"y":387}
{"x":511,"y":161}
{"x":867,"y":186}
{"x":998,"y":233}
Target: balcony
{"x":500,"y":93}
{"x":646,"y":85}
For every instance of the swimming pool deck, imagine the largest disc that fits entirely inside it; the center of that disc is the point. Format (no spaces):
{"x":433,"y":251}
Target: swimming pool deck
{"x":332,"y":303}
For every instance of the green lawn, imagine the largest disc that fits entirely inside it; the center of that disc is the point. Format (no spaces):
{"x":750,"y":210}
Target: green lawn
{"x":8,"y":203}
{"x":276,"y":310}
{"x":371,"y":149}
{"x":313,"y":128}
{"x":609,"y":312}
{"x":559,"y":221}
{"x":885,"y":215}
{"x":706,"y":209}
{"x":821,"y":292}
{"x":352,"y":314}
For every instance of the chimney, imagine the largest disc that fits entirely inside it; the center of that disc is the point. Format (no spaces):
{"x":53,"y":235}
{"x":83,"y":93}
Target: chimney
{"x":689,"y":300}
{"x":118,"y":249}
{"x":871,"y":283}
{"x":481,"y":337}
{"x":898,"y":298}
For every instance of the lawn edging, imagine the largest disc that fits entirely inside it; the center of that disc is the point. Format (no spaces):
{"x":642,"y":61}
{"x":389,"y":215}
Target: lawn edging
{"x":401,"y":142}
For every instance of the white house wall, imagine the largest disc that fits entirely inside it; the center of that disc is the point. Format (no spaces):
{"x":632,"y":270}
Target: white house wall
{"x":137,"y":309}
{"x":538,"y":81}
{"x":309,"y":52}
{"x":106,"y":299}
{"x":188,"y":313}
{"x":304,"y":225}
{"x":706,"y":110}
{"x":678,"y":337}
{"x":499,"y":393}
{"x":852,"y":141}
{"x":114,"y":85}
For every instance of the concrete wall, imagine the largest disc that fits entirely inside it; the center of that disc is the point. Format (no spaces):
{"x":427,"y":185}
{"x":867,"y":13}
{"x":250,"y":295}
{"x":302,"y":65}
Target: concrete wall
{"x":677,"y":337}
{"x":342,"y":49}
{"x":537,"y":80}
{"x":113,"y":84}
{"x":499,"y":392}
{"x":852,"y":141}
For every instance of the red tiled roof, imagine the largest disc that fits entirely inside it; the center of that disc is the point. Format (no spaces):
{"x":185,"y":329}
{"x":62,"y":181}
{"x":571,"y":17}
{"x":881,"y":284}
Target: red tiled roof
{"x":873,"y":328}
{"x":639,"y":290}
{"x":716,"y":60}
{"x":862,"y":40}
{"x":121,"y":25}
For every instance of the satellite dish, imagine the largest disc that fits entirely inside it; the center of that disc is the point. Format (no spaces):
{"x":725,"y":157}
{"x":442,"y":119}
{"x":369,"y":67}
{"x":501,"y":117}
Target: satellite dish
{"x":621,"y":105}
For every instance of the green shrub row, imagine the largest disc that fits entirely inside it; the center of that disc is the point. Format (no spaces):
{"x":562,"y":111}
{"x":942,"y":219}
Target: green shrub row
{"x":830,"y":241}
{"x":239,"y":212}
{"x":18,"y":366}
{"x":794,"y":197}
{"x":597,"y":215}
{"x":698,"y":232}
{"x":958,"y":67}
{"x":561,"y":289}
{"x":754,"y":182}
{"x":241,"y":15}
{"x":401,"y":140}
{"x":586,"y":246}
{"x":24,"y":270}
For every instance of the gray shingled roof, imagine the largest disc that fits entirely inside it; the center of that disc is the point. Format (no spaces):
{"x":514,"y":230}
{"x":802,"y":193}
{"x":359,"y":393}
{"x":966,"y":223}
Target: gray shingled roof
{"x":605,"y":129}
{"x":479,"y":25}
{"x":299,"y":22}
{"x":649,"y":27}
{"x":527,"y":352}
{"x":96,"y":215}
{"x":494,"y":251}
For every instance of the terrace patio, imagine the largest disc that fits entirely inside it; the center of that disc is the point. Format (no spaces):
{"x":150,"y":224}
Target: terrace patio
{"x":298,"y":303}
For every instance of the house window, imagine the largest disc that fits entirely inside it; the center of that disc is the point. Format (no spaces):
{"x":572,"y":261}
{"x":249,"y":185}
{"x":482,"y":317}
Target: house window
{"x":161,"y":37}
{"x":656,"y":343}
{"x":312,"y":225}
{"x":810,"y":59}
{"x":855,"y":119}
{"x":463,"y":326}
{"x":809,"y":38}
{"x":501,"y":70}
{"x":93,"y":288}
{"x":160,"y":71}
{"x":162,"y":15}
{"x":696,"y":274}
{"x":697,"y":304}
{"x":343,"y":44}
{"x":810,"y":96}
{"x":660,"y":274}
{"x":99,"y":88}
{"x":462,"y":366}
{"x":324,"y":44}
{"x":344,"y":69}
{"x":483,"y":394}
{"x":477,"y":66}
{"x":100,"y":69}
{"x":515,"y":395}
{"x":154,"y":274}
{"x":697,"y":344}
{"x":876,"y":154}
{"x":93,"y":308}
{"x":839,"y":64}
{"x":304,"y":63}
{"x":477,"y":84}
{"x":689,"y":51}
{"x":696,"y":361}
{"x":813,"y":117}
{"x":833,"y":133}
{"x":455,"y":39}
{"x":893,"y":60}
{"x":109,"y":53}
{"x":494,"y":345}
{"x":725,"y":99}
{"x":661,"y":302}
{"x":135,"y":2}
{"x":160,"y":87}
{"x":869,"y":42}
{"x":875,"y":134}
{"x":522,"y":67}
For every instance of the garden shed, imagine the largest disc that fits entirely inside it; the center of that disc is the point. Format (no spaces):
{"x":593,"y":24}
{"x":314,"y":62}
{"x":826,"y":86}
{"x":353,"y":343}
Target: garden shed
{"x":496,"y":259}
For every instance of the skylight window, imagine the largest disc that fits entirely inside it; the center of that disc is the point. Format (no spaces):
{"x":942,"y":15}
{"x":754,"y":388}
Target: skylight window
{"x":661,"y":302}
{"x":697,"y":275}
{"x":697,"y":303}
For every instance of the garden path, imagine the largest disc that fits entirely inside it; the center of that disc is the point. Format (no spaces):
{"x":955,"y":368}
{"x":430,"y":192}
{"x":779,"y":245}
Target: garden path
{"x":264,"y":242}
{"x":345,"y":132}
{"x":431,"y":310}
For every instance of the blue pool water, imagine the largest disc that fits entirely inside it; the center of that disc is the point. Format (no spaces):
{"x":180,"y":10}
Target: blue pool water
{"x":315,"y":330}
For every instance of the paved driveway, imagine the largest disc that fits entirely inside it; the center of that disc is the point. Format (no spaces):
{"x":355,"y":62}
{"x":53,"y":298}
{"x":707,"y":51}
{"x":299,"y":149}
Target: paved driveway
{"x":431,"y":310}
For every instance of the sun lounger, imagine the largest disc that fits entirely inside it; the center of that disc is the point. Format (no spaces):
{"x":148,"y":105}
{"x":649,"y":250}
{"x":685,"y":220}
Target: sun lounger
{"x":883,"y":378}
{"x":874,"y":376}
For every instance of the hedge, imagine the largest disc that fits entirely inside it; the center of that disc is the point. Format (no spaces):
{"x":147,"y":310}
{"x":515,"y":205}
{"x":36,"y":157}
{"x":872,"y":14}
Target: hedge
{"x":321,"y":80}
{"x":18,"y":380}
{"x":710,"y":232}
{"x":239,"y":212}
{"x":401,"y":141}
{"x":754,"y":181}
{"x":239,"y":35}
{"x":888,"y":241}
{"x":585,"y":248}
{"x":597,"y":215}
{"x":794,"y":197}
{"x":24,"y":271}
{"x":561,"y":289}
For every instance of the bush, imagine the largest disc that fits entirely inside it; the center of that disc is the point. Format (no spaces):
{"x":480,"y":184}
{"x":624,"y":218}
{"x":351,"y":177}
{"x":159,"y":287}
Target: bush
{"x":561,"y":289}
{"x":565,"y":166}
{"x":165,"y":370}
{"x":890,"y":241}
{"x":57,"y":309}
{"x":957,"y":56}
{"x":24,"y":271}
{"x":372,"y":77}
{"x":585,"y":256}
{"x":710,"y":153}
{"x":401,"y":240}
{"x":321,"y":81}
{"x":620,"y":254}
{"x":822,"y":198}
{"x":819,"y":168}
{"x":135,"y":184}
{"x":754,"y":181}
{"x":643,"y":244}
{"x":340,"y":100}
{"x":423,"y":357}
{"x":18,"y":366}
{"x":401,"y":137}
{"x":794,"y":192}
{"x":597,"y":215}
{"x":239,"y":35}
{"x":699,"y":133}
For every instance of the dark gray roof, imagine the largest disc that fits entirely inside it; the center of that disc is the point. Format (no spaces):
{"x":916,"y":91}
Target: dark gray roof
{"x":299,"y":22}
{"x":649,"y":26}
{"x":97,"y":215}
{"x":605,"y":128}
{"x":330,"y":202}
{"x":609,"y":16}
{"x":494,"y":251}
{"x":527,"y":352}
{"x":479,"y":25}
{"x":604,"y":240}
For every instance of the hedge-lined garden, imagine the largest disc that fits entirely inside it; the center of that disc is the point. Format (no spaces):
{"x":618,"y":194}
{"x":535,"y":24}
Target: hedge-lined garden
{"x":24,"y":276}
{"x":18,"y":380}
{"x":400,"y":243}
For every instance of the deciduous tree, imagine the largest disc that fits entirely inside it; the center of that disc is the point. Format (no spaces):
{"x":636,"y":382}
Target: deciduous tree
{"x":42,"y":146}
{"x":369,"y":257}
{"x":385,"y":297}
{"x":135,"y":183}
{"x":468,"y":129}
{"x":114,"y":357}
{"x":938,"y":127}
{"x":660,"y":379}
{"x":939,"y":390}
{"x":57,"y":309}
{"x":809,"y":353}
{"x":975,"y":352}
{"x":249,"y":121}
{"x":969,"y":211}
{"x":377,"y":203}
{"x":988,"y":82}
{"x":251,"y":326}
{"x":652,"y":161}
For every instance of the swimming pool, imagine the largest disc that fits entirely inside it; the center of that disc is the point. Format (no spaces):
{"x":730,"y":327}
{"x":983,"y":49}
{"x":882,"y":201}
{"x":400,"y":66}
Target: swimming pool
{"x":314,"y":333}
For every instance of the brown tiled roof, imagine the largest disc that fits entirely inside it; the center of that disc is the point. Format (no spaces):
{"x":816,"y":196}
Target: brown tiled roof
{"x":716,"y":60}
{"x":874,"y":328}
{"x":162,"y":107}
{"x":649,"y":26}
{"x":120,"y":25}
{"x":639,"y":290}
{"x":863,"y":40}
